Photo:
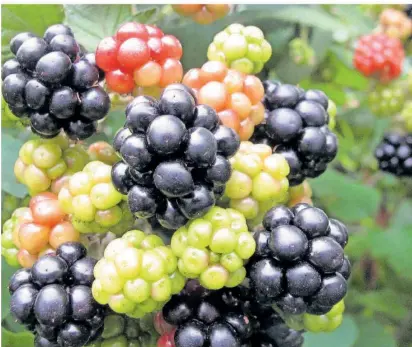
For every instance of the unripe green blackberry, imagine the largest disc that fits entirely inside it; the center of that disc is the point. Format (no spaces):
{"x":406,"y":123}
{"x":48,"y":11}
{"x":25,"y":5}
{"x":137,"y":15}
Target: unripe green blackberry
{"x":258,"y":181}
{"x":9,"y":204}
{"x":301,"y":52}
{"x":386,"y":100}
{"x":327,"y":322}
{"x":332,"y":112}
{"x":9,"y":250}
{"x":120,"y":330}
{"x":406,"y":116}
{"x":213,"y":248}
{"x":104,"y":152}
{"x":241,"y":48}
{"x":137,"y":275}
{"x":92,"y":201}
{"x":43,"y":164}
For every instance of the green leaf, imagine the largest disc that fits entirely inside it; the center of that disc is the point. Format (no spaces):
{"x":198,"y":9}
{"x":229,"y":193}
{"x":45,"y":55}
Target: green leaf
{"x":33,"y":18}
{"x":10,"y":339}
{"x":332,"y":90}
{"x":385,"y":301}
{"x":6,"y":272}
{"x":402,"y":217}
{"x":346,"y":198}
{"x":89,"y":31}
{"x":373,"y":334}
{"x":344,"y":336}
{"x":10,"y":152}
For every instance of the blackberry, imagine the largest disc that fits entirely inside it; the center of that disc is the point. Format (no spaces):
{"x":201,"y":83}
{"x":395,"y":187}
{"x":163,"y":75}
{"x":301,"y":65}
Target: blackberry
{"x":213,"y":248}
{"x":258,"y":181}
{"x":175,"y":156}
{"x":300,"y":264}
{"x":137,"y":274}
{"x":205,"y":319}
{"x":50,"y":85}
{"x":394,"y":154}
{"x":120,"y":330}
{"x":93,"y":202}
{"x":296,"y":126}
{"x":61,"y":309}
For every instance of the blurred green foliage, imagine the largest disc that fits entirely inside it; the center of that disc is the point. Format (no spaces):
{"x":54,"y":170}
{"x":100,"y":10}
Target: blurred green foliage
{"x":376,"y":206}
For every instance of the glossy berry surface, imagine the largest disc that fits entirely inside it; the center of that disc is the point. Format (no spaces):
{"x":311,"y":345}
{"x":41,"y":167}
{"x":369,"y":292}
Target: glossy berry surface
{"x":394,"y":154}
{"x":175,"y":155}
{"x":380,"y":56}
{"x":299,"y":264}
{"x":296,"y":126}
{"x":139,"y":55}
{"x":137,"y":275}
{"x":61,"y":310}
{"x":241,"y":48}
{"x":55,"y":86}
{"x":235,"y":96}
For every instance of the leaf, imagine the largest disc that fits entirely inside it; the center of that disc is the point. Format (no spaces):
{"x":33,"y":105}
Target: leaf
{"x":372,"y":333}
{"x":10,"y":339}
{"x":6,"y":272}
{"x":332,"y":90}
{"x":344,"y":336}
{"x":384,"y":301}
{"x":290,"y":72}
{"x":89,"y":31}
{"x":33,"y":18}
{"x":346,"y":198}
{"x":403,"y":216}
{"x":10,"y":152}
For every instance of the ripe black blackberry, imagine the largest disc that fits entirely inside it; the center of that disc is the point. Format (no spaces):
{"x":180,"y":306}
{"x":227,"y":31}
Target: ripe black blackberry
{"x":173,"y":153}
{"x":394,"y":154}
{"x":296,"y":125}
{"x":299,"y":263}
{"x":52,"y":85}
{"x":54,"y":300}
{"x":205,"y":319}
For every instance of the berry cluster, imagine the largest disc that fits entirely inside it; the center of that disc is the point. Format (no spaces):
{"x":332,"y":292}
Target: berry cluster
{"x":204,"y":319}
{"x":174,"y":157}
{"x":385,"y":100}
{"x":104,"y":152}
{"x":93,"y":202}
{"x":299,"y":263}
{"x":301,"y":193}
{"x":258,"y":181}
{"x":395,"y":23}
{"x":46,"y":164}
{"x":123,"y":331}
{"x":297,"y":127}
{"x":394,"y":154}
{"x":202,"y":13}
{"x":139,"y":55}
{"x":235,"y":96}
{"x":54,"y":300}
{"x":53,"y":84}
{"x":214,"y":248}
{"x":380,"y":56}
{"x":241,"y":48}
{"x":301,"y":52}
{"x":137,"y":275}
{"x":39,"y":229}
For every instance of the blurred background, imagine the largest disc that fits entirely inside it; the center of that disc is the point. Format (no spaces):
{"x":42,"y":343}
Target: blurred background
{"x":313,"y":46}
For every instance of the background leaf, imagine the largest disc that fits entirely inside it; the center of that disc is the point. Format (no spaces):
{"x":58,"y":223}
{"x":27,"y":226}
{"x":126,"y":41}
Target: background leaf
{"x":373,"y":334}
{"x":20,"y":18}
